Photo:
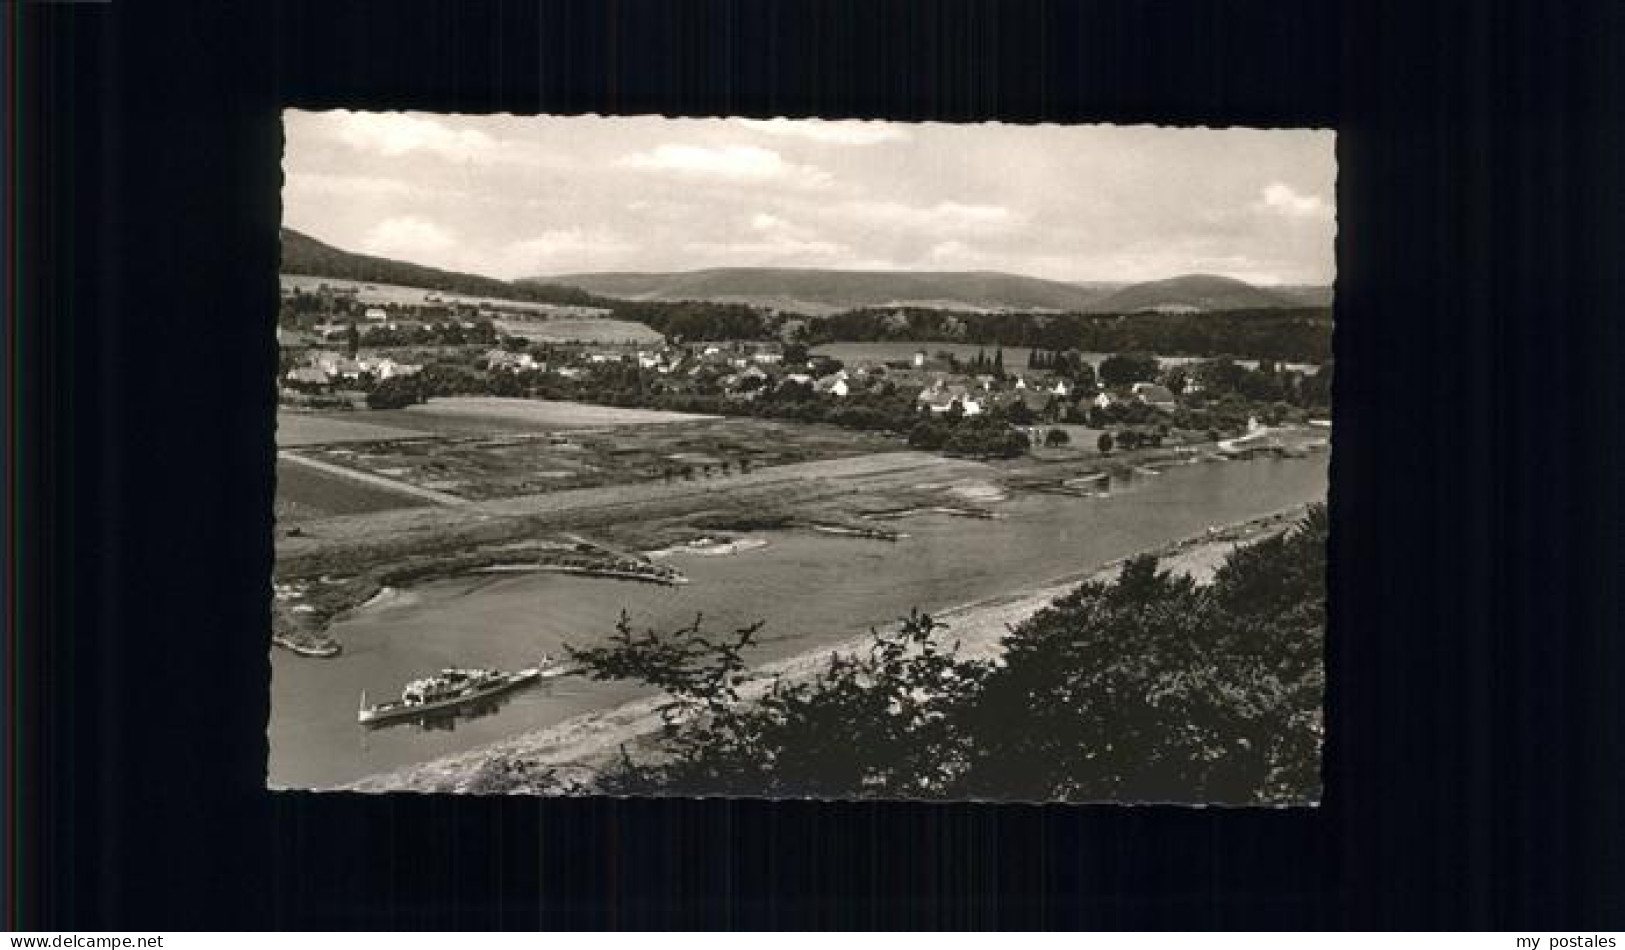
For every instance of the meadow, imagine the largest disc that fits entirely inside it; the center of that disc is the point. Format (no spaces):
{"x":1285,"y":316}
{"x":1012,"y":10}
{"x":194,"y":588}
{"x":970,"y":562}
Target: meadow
{"x":571,"y":330}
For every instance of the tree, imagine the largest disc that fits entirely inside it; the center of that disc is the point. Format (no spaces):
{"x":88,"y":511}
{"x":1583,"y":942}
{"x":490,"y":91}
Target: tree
{"x":395,"y":392}
{"x":1222,"y":376}
{"x":1122,"y":369}
{"x":1104,"y":443}
{"x":1082,"y":374}
{"x":872,"y":724}
{"x":1056,"y":438}
{"x":1317,"y":387}
{"x":352,"y":341}
{"x":927,"y":435}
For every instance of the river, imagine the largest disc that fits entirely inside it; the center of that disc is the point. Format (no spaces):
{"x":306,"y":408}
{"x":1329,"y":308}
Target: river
{"x":811,"y":589}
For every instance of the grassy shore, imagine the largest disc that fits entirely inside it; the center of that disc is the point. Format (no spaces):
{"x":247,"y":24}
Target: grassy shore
{"x":589,"y":741}
{"x":306,"y":606}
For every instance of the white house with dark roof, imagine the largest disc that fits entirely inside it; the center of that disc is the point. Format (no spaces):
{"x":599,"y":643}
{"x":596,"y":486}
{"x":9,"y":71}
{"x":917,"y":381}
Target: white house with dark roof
{"x":940,"y":399}
{"x":500,"y":359}
{"x":835,"y":384}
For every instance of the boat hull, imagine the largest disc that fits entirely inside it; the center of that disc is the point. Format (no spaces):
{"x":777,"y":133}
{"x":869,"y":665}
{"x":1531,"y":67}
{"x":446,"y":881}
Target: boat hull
{"x":396,"y":711}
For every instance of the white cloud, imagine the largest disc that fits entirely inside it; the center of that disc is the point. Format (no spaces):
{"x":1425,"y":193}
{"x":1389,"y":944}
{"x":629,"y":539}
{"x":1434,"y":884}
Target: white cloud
{"x":346,"y":186}
{"x":392,"y":134}
{"x":949,"y":216}
{"x":749,"y":163}
{"x":952,"y":252}
{"x":829,"y":133}
{"x":1282,"y":199}
{"x":408,"y":239}
{"x":781,"y":228}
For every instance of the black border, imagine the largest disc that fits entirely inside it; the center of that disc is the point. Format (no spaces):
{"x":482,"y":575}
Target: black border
{"x":1474,"y":771}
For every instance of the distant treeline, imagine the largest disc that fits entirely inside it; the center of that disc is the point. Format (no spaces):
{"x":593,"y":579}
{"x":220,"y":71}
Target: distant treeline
{"x":698,"y":320}
{"x":1287,"y":334}
{"x":1297,"y":335}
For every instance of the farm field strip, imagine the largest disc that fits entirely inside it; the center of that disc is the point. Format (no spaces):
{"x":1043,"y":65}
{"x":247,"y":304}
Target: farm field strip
{"x":371,"y":292}
{"x":306,"y":494}
{"x":297,"y":429}
{"x":515,"y":464}
{"x":376,"y":481}
{"x":545,"y":412}
{"x":599,"y":509}
{"x":574,"y":330}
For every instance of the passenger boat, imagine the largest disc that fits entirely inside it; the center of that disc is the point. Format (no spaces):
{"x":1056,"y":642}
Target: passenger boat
{"x":451,"y":689}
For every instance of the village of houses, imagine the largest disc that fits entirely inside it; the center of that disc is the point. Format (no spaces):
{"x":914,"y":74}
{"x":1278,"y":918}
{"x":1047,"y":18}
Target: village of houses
{"x":335,"y":362}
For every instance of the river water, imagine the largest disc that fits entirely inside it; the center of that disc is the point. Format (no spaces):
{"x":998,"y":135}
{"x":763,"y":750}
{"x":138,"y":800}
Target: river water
{"x":811,"y":589}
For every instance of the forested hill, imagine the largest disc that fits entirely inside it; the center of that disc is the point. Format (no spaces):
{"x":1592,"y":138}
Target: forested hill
{"x":303,"y":254}
{"x":818,"y":292}
{"x":1205,"y":293}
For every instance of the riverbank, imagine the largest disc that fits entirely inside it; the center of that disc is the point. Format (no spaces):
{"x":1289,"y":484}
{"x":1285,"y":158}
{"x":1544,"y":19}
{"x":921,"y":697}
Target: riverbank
{"x":590,"y":740}
{"x":331,"y":569}
{"x":1084,"y":471}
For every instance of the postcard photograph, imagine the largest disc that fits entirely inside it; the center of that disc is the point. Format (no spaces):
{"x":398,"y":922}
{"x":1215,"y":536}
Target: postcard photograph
{"x":796,"y":458}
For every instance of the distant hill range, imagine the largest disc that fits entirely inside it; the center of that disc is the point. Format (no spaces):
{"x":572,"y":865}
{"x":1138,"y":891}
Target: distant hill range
{"x":809,"y":291}
{"x":821,"y":292}
{"x":303,"y":254}
{"x":817,"y":292}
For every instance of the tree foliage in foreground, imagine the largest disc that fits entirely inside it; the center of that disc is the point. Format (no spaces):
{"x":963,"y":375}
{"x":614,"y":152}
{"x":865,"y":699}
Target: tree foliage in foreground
{"x":1149,"y":687}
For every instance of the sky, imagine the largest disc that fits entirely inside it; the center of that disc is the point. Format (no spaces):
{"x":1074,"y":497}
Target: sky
{"x":522,"y":196}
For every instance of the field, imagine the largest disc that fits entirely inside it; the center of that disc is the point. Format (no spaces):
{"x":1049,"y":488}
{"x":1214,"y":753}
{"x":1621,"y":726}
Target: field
{"x":373,"y":293}
{"x":546,"y":413}
{"x":568,"y":330}
{"x":1084,"y":442}
{"x":515,"y":464}
{"x":295,"y":429}
{"x":304,"y":494}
